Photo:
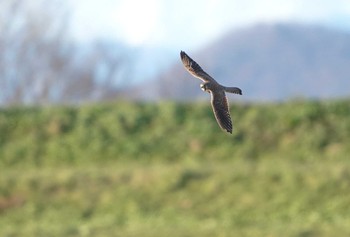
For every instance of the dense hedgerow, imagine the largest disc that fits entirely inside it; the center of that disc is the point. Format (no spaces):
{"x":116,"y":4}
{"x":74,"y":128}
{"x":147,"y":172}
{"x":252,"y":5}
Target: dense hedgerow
{"x":172,"y":131}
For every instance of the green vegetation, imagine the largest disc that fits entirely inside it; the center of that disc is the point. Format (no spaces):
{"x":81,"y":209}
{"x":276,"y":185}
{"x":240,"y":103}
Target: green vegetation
{"x":138,"y":169}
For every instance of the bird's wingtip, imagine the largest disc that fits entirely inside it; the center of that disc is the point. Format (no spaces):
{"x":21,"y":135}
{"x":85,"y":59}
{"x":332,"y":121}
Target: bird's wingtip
{"x":183,"y":55}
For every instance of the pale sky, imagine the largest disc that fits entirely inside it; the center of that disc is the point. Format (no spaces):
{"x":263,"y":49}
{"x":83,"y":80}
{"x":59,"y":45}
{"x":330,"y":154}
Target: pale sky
{"x":185,"y":24}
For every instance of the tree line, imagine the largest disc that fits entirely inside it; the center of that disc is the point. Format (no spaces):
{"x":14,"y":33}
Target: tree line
{"x":41,"y":64}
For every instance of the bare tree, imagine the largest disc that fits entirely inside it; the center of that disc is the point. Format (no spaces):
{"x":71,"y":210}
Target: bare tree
{"x":39,"y":64}
{"x":31,"y":43}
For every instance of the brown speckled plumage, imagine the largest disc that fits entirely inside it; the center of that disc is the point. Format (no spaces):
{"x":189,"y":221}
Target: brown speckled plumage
{"x":218,"y":97}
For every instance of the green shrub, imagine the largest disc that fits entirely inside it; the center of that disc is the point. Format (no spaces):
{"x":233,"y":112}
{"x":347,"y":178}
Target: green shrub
{"x":169,"y":131}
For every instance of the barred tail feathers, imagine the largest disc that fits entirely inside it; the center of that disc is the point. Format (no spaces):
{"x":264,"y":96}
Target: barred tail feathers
{"x":234,"y":90}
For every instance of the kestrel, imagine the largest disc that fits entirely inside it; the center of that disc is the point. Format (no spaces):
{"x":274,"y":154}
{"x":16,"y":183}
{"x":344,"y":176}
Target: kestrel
{"x":219,"y":101}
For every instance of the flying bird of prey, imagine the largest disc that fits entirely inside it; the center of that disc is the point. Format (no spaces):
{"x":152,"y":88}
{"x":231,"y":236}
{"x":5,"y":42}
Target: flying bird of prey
{"x":219,"y":101}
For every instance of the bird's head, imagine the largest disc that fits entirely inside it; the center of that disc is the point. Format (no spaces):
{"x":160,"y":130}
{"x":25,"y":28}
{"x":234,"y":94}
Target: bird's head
{"x":204,"y":87}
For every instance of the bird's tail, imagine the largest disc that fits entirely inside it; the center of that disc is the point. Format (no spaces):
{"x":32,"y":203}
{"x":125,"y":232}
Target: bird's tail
{"x":234,"y":90}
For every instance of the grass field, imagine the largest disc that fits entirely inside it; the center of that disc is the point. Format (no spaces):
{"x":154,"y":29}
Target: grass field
{"x":167,"y":170}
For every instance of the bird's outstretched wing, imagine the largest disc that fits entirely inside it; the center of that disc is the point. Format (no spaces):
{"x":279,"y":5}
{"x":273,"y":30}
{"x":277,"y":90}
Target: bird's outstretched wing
{"x":194,"y":68}
{"x":221,"y":110}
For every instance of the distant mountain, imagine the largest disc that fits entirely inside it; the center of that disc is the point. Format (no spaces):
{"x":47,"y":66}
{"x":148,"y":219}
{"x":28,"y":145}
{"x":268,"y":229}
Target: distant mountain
{"x":268,"y":62}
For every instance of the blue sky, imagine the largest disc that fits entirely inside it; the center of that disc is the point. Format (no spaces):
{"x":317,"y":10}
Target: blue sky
{"x":191,"y":24}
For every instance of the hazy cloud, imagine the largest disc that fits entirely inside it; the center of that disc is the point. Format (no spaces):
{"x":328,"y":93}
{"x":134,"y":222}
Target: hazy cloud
{"x":186,"y":24}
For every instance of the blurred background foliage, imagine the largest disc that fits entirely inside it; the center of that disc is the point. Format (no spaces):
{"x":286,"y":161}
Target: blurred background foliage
{"x":155,"y":169}
{"x":170,"y":132}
